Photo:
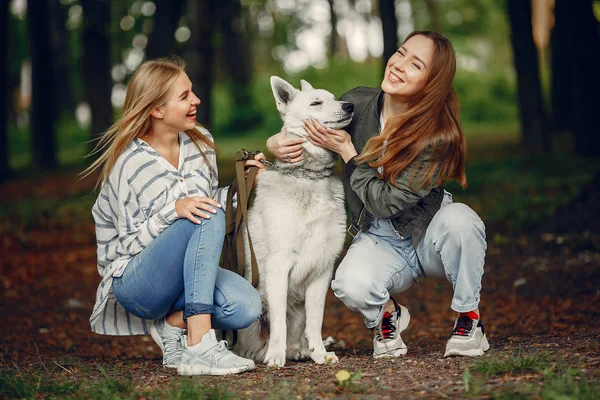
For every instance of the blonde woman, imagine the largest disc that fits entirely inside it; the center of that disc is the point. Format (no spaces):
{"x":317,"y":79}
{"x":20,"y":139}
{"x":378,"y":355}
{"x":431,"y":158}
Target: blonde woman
{"x":404,"y":143}
{"x":160,"y":228}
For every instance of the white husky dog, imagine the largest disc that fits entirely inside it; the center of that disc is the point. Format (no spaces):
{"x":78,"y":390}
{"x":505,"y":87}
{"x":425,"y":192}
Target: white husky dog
{"x":297,"y":225}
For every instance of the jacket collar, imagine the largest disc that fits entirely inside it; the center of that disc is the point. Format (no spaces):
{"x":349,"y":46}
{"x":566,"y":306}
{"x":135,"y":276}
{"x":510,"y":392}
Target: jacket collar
{"x":369,"y":125}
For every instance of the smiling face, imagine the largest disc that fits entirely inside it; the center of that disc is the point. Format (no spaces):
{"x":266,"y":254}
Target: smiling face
{"x":407,"y":71}
{"x":179,"y":112}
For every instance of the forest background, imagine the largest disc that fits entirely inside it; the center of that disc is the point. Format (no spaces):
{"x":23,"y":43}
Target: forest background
{"x":528,"y":83}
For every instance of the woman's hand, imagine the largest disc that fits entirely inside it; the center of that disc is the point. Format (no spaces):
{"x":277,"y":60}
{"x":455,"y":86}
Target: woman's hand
{"x":336,"y":140}
{"x":255,"y":163}
{"x":196,"y":206}
{"x":286,"y":150}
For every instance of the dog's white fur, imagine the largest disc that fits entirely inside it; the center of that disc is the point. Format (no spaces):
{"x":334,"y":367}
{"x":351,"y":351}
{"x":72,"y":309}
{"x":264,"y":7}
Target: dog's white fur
{"x":297,"y":226}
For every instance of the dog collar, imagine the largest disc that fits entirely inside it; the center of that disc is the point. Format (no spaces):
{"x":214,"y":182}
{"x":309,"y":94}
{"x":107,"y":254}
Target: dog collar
{"x":301,"y":172}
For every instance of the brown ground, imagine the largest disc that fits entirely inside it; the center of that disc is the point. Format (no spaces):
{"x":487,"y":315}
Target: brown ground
{"x":541,"y":296}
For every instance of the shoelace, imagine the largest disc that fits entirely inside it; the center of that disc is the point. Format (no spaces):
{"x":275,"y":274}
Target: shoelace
{"x":463,"y":326}
{"x":388,"y":329}
{"x":173,"y":347}
{"x":222,"y":345}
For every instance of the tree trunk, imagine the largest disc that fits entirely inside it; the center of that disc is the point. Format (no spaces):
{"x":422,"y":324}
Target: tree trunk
{"x":560,"y":77}
{"x":199,"y":54}
{"x":238,"y":63}
{"x":333,"y":38}
{"x":575,"y":79}
{"x":161,"y":42}
{"x":4,"y":166}
{"x":43,"y":104}
{"x":389,"y":24}
{"x":65,"y":97}
{"x":97,"y":82}
{"x":434,"y":13}
{"x":534,"y":135}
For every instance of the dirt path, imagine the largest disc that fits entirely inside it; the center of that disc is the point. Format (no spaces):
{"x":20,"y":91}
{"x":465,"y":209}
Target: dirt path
{"x":540,"y":298}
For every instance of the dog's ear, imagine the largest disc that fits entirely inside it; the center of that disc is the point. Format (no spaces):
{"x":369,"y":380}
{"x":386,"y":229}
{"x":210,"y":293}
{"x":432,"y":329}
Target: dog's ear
{"x":305,"y":85}
{"x":283,"y":93}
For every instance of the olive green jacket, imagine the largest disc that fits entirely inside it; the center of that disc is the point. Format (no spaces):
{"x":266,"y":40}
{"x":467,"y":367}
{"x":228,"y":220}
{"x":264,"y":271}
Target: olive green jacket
{"x":369,"y":196}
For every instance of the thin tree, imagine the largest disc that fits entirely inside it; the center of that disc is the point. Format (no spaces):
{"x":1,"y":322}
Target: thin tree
{"x":97,"y":82}
{"x":43,"y":104}
{"x":434,"y":14}
{"x":161,"y":42}
{"x":389,"y":25}
{"x":534,"y":135}
{"x":238,"y":63}
{"x":199,"y":54}
{"x":4,"y":166}
{"x":333,"y":38}
{"x":65,"y":97}
{"x":575,"y":78}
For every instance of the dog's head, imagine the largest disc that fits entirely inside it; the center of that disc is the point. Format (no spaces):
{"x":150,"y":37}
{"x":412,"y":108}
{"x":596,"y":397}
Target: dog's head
{"x":295,"y":106}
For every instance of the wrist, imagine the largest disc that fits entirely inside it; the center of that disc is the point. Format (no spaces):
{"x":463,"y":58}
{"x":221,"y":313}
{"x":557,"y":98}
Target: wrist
{"x":348,"y":152}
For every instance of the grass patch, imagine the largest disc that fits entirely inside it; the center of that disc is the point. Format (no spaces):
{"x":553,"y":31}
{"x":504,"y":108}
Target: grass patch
{"x":571,"y":384}
{"x":111,"y":383}
{"x":527,"y":376}
{"x":188,"y":388}
{"x":493,"y":367}
{"x":513,"y":192}
{"x":25,"y":386}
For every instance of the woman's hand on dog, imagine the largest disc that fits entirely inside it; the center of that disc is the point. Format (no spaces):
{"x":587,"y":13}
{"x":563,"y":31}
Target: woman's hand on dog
{"x":256,"y":162}
{"x":336,"y":140}
{"x":196,"y":206}
{"x":284,"y":149}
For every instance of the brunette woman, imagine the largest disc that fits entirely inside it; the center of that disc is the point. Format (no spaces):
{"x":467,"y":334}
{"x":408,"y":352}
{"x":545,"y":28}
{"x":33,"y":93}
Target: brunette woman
{"x":404,"y":143}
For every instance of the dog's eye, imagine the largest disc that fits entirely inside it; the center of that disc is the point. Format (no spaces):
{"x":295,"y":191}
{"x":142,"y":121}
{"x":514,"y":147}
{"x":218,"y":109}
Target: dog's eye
{"x":316,"y":103}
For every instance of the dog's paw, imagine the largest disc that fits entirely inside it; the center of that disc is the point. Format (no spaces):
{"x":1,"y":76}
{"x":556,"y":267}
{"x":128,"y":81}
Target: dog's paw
{"x":328,"y":357}
{"x":275,"y":358}
{"x":298,"y":353}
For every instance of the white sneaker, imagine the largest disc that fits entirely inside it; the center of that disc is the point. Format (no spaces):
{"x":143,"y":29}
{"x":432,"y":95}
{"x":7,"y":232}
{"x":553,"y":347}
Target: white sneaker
{"x":211,"y":357}
{"x":387,"y":341}
{"x":467,"y":339}
{"x":168,"y":338}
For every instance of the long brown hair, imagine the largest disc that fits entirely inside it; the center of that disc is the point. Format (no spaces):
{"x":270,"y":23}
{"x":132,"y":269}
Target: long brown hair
{"x":430,"y":122}
{"x":148,"y":88}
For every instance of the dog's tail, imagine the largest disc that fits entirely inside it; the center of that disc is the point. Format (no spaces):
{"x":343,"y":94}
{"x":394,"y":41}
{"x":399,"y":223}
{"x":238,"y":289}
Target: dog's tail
{"x":253,"y":341}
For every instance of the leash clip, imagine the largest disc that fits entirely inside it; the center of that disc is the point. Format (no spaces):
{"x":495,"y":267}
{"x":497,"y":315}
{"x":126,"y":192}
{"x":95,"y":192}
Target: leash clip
{"x":353,"y":230}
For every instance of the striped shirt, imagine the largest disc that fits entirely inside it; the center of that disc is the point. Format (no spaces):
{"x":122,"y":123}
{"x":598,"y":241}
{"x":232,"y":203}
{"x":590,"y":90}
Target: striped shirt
{"x":134,"y":206}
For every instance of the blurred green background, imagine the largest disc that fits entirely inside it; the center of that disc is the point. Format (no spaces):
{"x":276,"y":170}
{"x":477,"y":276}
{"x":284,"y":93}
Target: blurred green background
{"x":527,"y":81}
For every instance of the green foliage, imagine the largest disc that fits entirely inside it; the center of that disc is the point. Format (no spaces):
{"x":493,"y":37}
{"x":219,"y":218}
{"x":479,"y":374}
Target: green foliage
{"x":514,"y":193}
{"x":15,"y":385}
{"x":517,"y":364}
{"x":112,"y":383}
{"x":486,"y":97}
{"x":190,"y":388}
{"x":571,"y":384}
{"x":545,"y":380}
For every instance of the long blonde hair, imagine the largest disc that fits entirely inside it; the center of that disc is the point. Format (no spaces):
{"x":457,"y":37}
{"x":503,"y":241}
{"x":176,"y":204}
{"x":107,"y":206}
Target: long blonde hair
{"x":431,"y":121}
{"x":148,"y":88}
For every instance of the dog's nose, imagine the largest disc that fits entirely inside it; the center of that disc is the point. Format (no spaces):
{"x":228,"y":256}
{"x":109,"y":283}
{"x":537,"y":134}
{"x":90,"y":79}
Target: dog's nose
{"x":348,"y":107}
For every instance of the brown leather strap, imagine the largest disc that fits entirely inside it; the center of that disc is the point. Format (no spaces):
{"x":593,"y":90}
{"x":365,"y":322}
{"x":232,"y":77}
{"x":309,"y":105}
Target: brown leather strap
{"x":233,"y":246}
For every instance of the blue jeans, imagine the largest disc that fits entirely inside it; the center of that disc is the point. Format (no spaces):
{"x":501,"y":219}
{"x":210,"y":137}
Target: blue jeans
{"x":380,"y":261}
{"x":179,"y":270}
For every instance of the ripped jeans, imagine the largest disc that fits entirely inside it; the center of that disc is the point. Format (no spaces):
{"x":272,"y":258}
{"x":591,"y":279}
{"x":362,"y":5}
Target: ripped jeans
{"x":380,"y":261}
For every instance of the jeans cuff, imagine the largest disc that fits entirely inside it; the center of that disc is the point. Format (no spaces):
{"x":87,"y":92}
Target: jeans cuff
{"x":463,"y":308}
{"x":192,"y":309}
